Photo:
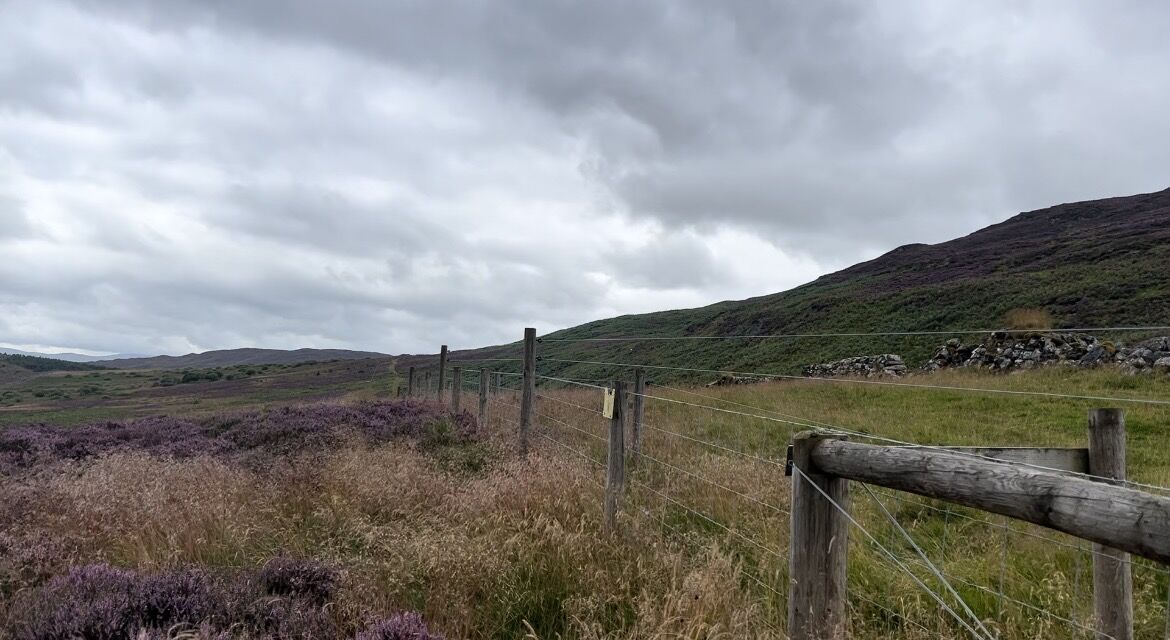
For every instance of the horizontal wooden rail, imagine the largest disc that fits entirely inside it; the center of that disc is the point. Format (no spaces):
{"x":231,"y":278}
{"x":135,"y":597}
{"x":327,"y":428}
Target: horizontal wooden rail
{"x":1111,"y":515}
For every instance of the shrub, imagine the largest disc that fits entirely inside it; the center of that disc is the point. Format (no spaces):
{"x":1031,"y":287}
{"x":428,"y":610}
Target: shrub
{"x":100,"y":602}
{"x":287,"y":598}
{"x":257,"y":434}
{"x":284,"y":576}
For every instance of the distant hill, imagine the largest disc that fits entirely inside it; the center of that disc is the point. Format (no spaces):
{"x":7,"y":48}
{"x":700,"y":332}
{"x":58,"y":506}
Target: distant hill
{"x":37,"y":364}
{"x":68,"y":357}
{"x":231,"y":357}
{"x":1096,"y":263}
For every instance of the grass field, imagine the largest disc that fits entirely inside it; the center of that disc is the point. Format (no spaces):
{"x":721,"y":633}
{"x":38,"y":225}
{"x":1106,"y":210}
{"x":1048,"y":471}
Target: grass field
{"x":487,"y":545}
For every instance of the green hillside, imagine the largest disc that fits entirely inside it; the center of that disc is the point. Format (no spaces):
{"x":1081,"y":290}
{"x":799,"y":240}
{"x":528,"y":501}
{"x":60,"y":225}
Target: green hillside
{"x":1096,"y":263}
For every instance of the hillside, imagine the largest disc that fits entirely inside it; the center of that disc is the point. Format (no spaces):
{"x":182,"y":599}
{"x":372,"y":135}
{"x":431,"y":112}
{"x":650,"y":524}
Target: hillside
{"x":67,"y":356}
{"x":37,"y":364}
{"x":233,"y":357}
{"x":1096,"y":263}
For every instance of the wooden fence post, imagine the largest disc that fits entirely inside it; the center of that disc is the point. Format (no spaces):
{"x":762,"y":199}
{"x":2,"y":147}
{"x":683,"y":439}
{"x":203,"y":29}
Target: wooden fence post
{"x":442,"y":370}
{"x":1112,"y":577}
{"x":400,"y":392}
{"x":615,"y":476}
{"x":496,"y":383}
{"x":456,"y":387}
{"x":818,"y":548}
{"x":427,"y":384}
{"x":410,"y":382}
{"x":483,"y":397}
{"x":639,"y":413}
{"x":528,"y":395}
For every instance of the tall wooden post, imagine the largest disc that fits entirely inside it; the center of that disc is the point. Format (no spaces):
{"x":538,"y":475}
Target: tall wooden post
{"x":818,"y":549}
{"x":529,"y":392}
{"x":1112,"y":577}
{"x":615,"y":476}
{"x":410,"y":382}
{"x":442,"y":370}
{"x":456,"y":387}
{"x":483,"y":397}
{"x":639,"y":413}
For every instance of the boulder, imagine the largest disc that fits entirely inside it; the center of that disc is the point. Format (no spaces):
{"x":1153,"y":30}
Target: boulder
{"x":1162,"y":365}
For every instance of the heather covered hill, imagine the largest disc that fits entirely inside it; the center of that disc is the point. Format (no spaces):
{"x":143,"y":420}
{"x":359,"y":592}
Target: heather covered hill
{"x":1096,"y":263}
{"x":233,"y":357}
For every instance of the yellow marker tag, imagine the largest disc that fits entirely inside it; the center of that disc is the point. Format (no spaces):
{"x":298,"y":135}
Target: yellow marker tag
{"x":607,"y":408}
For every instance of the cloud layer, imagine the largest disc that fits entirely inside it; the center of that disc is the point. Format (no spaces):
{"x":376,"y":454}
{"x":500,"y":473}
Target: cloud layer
{"x":188,"y":175}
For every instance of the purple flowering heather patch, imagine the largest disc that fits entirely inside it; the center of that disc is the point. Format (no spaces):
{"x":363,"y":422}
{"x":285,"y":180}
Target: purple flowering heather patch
{"x":404,"y":626}
{"x":288,"y":598}
{"x":255,"y":435}
{"x":284,"y":576}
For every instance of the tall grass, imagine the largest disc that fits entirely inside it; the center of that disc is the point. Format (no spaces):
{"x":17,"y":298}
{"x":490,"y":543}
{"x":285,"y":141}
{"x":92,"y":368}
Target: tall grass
{"x":484,"y":544}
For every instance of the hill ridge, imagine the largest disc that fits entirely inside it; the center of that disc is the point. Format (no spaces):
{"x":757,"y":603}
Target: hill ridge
{"x":1086,"y":263}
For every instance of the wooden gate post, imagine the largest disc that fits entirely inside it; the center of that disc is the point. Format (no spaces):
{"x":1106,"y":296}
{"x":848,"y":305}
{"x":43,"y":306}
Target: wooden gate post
{"x":615,"y":477}
{"x":528,"y":395}
{"x":639,"y":414}
{"x":410,"y":382}
{"x":456,"y":387}
{"x":1112,"y":577}
{"x":442,"y":370}
{"x":818,"y":548}
{"x":483,"y":397}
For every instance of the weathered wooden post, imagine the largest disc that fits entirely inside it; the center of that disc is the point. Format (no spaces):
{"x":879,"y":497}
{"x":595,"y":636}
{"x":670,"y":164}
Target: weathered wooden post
{"x":427,"y":384}
{"x":400,"y":392}
{"x":456,"y":387}
{"x":1112,"y":574}
{"x":496,"y":383}
{"x":483,"y":397}
{"x":818,"y":548}
{"x":442,"y":370}
{"x":639,"y":413}
{"x":528,"y":395}
{"x":410,"y":382}
{"x":615,"y":476}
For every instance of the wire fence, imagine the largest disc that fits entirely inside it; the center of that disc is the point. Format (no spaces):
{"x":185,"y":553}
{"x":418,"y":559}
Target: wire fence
{"x":710,"y":474}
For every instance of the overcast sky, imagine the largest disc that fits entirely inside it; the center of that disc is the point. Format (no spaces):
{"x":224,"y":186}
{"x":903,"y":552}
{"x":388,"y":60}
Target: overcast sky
{"x":391,"y":175}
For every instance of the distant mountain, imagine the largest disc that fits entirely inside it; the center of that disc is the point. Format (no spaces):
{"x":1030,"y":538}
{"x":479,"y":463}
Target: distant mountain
{"x":1100,"y":263}
{"x":69,"y":357}
{"x":231,"y":357}
{"x":37,"y":364}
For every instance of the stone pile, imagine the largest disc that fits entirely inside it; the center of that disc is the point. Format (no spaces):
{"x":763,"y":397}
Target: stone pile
{"x":886,"y":364}
{"x":1006,"y":352}
{"x":725,"y":381}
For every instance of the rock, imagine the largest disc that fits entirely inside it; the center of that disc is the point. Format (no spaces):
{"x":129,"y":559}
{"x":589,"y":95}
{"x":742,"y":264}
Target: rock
{"x":1162,"y":365}
{"x":724,"y":381}
{"x":1006,"y":352}
{"x":886,"y":364}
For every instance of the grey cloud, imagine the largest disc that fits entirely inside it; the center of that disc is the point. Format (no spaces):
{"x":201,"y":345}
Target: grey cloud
{"x":14,"y":220}
{"x":396,"y":174}
{"x":671,"y":261}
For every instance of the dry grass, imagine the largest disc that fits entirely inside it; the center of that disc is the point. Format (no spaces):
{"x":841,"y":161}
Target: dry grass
{"x":516,"y":549}
{"x":1028,"y":319}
